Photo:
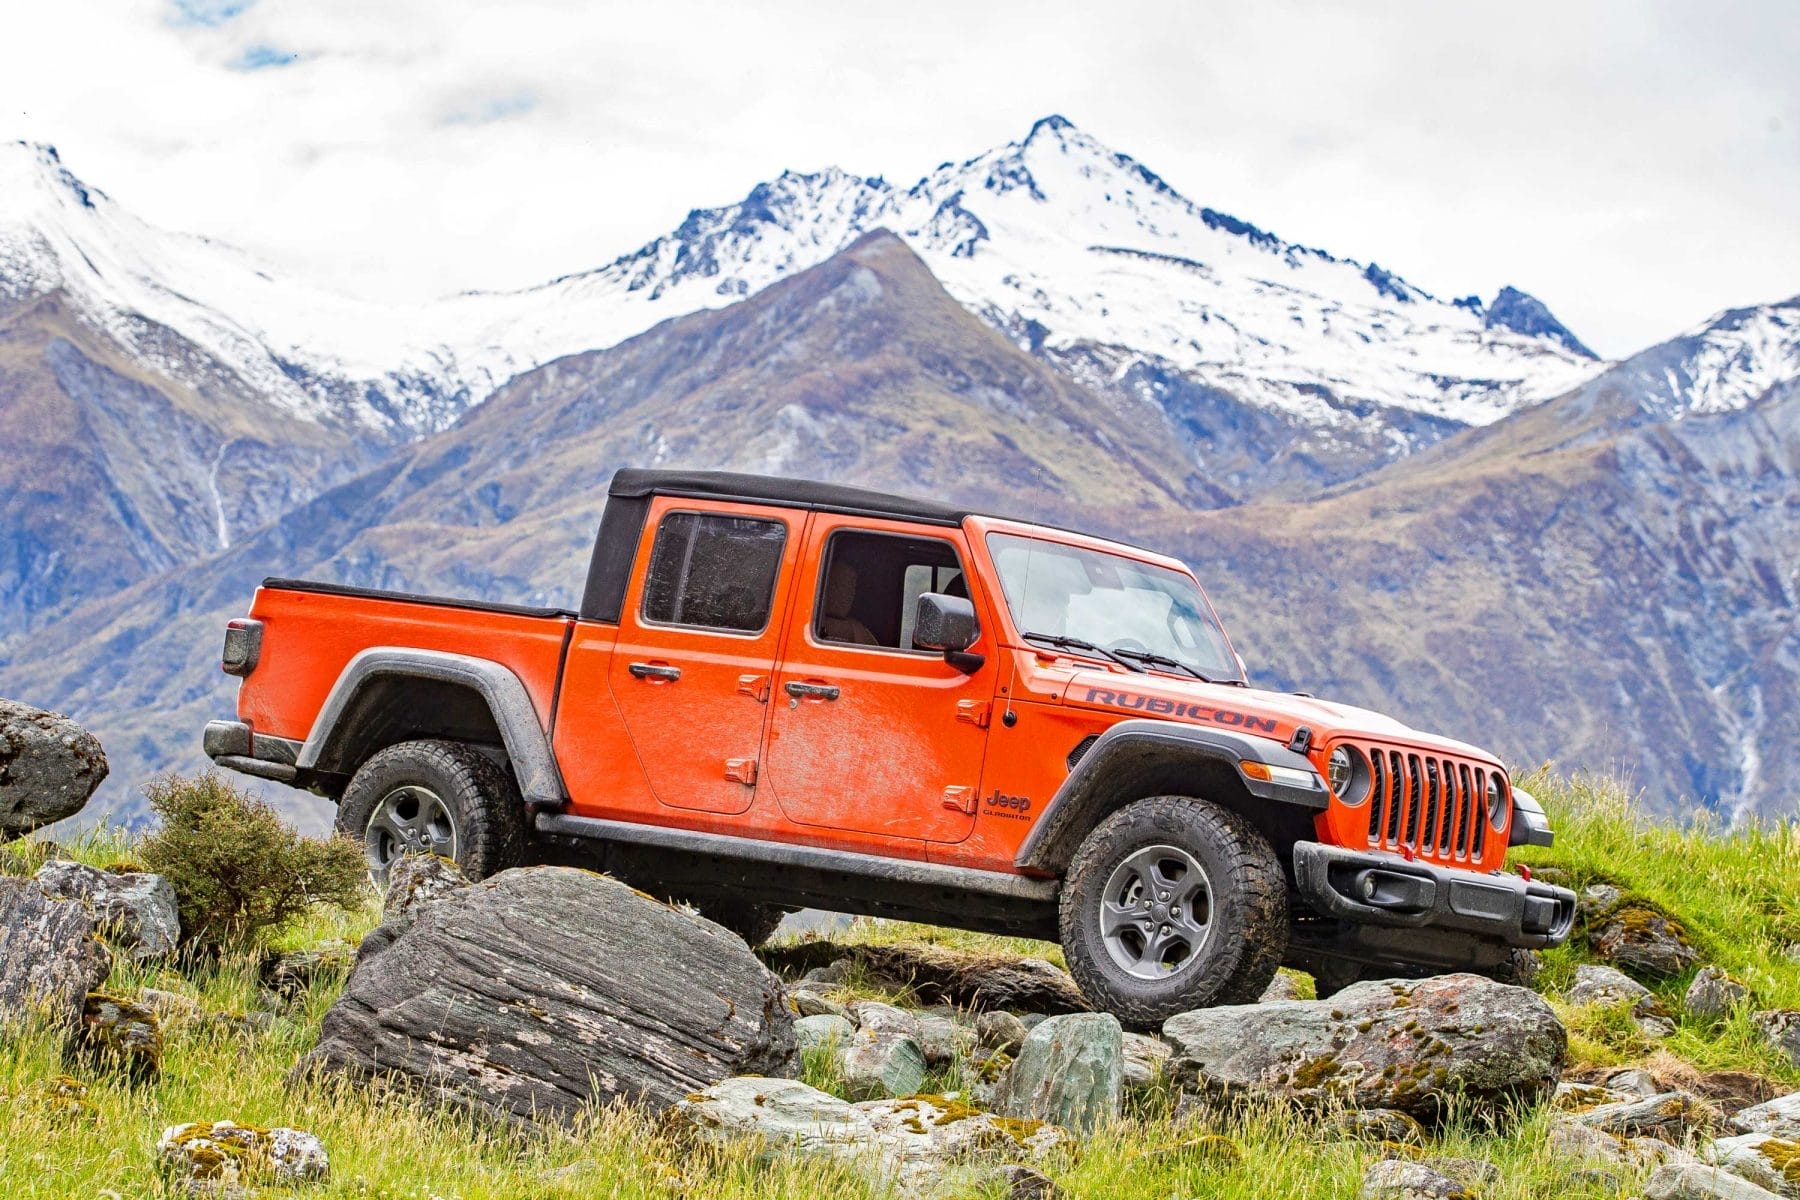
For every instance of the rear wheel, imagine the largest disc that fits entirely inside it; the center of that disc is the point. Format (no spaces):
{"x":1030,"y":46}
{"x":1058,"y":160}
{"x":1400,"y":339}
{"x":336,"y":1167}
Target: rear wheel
{"x":1173,"y":904}
{"x":434,"y":797}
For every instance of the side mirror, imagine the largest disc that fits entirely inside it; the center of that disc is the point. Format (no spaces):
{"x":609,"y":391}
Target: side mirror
{"x":948,"y":623}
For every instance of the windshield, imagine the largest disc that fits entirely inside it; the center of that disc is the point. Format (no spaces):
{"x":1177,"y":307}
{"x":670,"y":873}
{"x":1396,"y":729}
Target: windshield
{"x":1135,"y":609}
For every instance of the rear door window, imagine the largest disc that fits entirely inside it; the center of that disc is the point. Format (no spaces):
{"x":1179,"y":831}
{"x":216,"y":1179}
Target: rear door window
{"x":714,"y":571}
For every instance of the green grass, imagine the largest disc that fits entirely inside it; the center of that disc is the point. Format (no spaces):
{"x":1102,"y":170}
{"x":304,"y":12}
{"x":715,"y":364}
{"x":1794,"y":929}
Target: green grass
{"x":1734,"y":891}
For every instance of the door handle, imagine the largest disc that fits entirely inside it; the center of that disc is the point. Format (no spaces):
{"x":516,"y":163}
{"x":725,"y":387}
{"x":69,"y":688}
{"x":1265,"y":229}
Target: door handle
{"x":811,"y":691}
{"x":654,"y":671}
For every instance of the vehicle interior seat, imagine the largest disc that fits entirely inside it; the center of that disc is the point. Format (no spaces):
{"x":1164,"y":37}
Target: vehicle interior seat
{"x":837,"y":624}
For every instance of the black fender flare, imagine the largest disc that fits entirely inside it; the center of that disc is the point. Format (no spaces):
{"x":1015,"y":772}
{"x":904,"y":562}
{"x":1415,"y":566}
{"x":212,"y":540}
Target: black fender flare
{"x":1137,"y":755}
{"x":527,"y":745}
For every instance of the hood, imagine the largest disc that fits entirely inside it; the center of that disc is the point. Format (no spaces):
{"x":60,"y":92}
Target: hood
{"x":1273,"y":715}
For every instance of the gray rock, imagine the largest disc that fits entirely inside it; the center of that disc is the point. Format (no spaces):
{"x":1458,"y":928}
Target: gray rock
{"x":1474,"y":1174}
{"x":1780,"y":1117}
{"x":1713,"y":994}
{"x":292,"y":974}
{"x":1409,"y":1045}
{"x":942,"y":1039}
{"x":1146,"y":1061}
{"x":1697,"y":1181}
{"x":1671,"y":1116}
{"x":1583,"y":1143}
{"x":822,"y":1030}
{"x":121,"y":1034}
{"x":50,"y":956}
{"x":1070,"y":1072}
{"x":224,"y":1158}
{"x":1031,"y":1020}
{"x":1000,"y":1031}
{"x":1282,"y":987}
{"x":1781,"y":1029}
{"x":1643,"y":940}
{"x":1403,"y":1179}
{"x":1578,"y":1097}
{"x":136,"y":910}
{"x":171,"y":1008}
{"x":810,"y":1002}
{"x":1025,"y":1183}
{"x":1765,"y":1160}
{"x":1634,"y":1081}
{"x":1030,"y":983}
{"x":1378,"y":1125}
{"x":418,"y":879}
{"x":879,"y":1063}
{"x":1597,"y":899}
{"x":876,"y":1017}
{"x":925,"y":1148}
{"x":49,"y":766}
{"x":543,"y":989}
{"x":831,"y":974}
{"x":1604,"y":985}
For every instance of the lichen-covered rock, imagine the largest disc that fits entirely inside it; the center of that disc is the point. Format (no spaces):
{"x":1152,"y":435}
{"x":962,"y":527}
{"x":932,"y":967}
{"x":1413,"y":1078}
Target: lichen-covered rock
{"x":543,"y":989}
{"x":417,"y":879}
{"x":136,"y":910}
{"x":1282,"y":987}
{"x":66,"y":1098}
{"x":1070,"y":1071}
{"x":1781,"y":1029}
{"x":916,"y":1142}
{"x":1000,"y":1031}
{"x":1584,"y":1143}
{"x":1409,"y":1045}
{"x":942,"y":1039}
{"x":1779,"y":1117}
{"x":813,"y":1002}
{"x":1643,"y":940}
{"x":225,"y":1158}
{"x":49,"y":766}
{"x":1596,"y":984}
{"x":881,"y":1063}
{"x":50,"y":956}
{"x":122,"y":1034}
{"x":1713,"y":994}
{"x":1765,"y":1160}
{"x":1697,"y":1181}
{"x":1672,"y":1116}
{"x":1404,"y":1179}
{"x":876,"y":1017}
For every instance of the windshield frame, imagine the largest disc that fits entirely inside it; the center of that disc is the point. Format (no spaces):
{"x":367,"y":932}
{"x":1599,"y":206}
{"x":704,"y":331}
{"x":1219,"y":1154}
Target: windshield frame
{"x":1010,"y":633}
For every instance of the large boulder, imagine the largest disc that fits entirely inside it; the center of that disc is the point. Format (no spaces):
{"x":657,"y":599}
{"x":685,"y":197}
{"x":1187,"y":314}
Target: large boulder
{"x":1779,"y":1117}
{"x":1713,"y":994}
{"x":1409,"y":1045}
{"x":1767,"y":1161}
{"x":1070,"y":1072}
{"x":542,"y":989}
{"x":136,"y":909}
{"x":49,"y":766}
{"x":50,"y":958}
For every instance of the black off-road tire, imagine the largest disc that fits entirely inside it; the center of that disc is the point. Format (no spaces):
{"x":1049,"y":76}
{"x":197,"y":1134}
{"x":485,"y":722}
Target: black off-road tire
{"x":1248,"y":922}
{"x":755,"y":923}
{"x":479,"y":797}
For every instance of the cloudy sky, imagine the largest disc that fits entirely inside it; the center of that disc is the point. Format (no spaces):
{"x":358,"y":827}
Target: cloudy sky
{"x":1634,"y":164}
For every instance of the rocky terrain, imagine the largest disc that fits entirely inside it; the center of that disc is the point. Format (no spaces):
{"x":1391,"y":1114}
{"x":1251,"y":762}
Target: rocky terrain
{"x":512,"y":1037}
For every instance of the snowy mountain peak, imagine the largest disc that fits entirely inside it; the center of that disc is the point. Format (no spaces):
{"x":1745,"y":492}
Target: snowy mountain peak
{"x":1730,"y":362}
{"x":1526,"y":314}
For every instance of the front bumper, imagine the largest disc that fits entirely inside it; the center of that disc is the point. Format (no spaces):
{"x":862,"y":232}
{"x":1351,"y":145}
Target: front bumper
{"x":234,"y":746}
{"x":1373,"y":888}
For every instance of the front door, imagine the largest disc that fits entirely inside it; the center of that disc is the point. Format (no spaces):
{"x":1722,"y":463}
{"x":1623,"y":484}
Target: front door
{"x":692,"y":668}
{"x":868,"y":734}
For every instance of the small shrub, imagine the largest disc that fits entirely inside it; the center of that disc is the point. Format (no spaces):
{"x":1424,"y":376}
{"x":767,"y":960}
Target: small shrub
{"x":236,"y":867}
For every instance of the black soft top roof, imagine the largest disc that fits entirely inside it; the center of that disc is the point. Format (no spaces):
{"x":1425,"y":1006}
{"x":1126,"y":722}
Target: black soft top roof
{"x":628,"y":504}
{"x":635,"y":483}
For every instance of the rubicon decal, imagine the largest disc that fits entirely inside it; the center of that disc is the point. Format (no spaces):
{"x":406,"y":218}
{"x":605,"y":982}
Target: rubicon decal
{"x":1158,"y":706}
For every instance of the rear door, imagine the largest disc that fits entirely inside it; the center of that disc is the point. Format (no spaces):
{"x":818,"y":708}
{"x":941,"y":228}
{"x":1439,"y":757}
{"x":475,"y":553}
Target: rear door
{"x":866,"y":733}
{"x":691,"y":671}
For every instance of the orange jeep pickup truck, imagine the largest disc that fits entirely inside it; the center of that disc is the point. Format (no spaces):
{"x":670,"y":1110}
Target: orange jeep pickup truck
{"x":779,"y":693}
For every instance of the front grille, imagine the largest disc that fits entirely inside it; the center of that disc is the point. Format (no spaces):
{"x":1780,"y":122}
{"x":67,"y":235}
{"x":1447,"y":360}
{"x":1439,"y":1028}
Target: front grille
{"x":1426,"y":803}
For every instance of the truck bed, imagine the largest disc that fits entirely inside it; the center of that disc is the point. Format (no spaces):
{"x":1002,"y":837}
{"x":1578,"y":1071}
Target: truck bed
{"x":312,"y":630}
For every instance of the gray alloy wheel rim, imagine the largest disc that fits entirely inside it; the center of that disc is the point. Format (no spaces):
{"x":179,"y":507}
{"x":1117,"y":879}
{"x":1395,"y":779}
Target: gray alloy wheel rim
{"x":1156,"y":912}
{"x":409,"y":820}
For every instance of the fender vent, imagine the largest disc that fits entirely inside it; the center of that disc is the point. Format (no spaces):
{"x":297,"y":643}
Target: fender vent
{"x":1081,"y":748}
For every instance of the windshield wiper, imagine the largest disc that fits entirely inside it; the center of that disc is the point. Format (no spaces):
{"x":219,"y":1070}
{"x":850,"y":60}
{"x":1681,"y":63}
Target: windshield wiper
{"x":1150,"y":658}
{"x":1069,"y":643}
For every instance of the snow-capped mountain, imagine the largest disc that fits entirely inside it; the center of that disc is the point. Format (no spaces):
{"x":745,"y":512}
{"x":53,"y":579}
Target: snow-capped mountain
{"x":1079,"y":253}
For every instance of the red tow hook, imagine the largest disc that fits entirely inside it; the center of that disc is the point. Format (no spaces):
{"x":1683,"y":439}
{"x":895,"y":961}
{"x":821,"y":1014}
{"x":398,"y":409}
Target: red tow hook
{"x":1525,"y":872}
{"x":1407,"y":852}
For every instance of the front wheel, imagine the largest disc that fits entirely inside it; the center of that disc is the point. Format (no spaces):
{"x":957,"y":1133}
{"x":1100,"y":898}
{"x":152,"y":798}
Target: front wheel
{"x":1172,"y":904}
{"x":434,"y":797}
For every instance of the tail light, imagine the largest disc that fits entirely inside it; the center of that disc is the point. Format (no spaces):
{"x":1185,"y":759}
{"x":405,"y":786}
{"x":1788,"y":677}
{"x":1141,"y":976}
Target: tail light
{"x":243,"y":646}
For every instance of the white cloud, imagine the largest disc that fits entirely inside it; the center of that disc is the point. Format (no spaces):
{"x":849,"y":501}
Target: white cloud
{"x":1634,"y":165}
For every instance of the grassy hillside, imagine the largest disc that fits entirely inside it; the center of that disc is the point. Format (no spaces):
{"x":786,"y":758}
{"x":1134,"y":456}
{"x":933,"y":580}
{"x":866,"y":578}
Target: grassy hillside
{"x":1733,"y":892}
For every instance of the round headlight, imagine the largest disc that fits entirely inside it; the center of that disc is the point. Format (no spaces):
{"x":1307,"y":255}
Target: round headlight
{"x":1348,"y":774}
{"x":1496,"y":801}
